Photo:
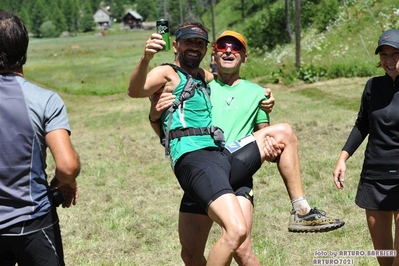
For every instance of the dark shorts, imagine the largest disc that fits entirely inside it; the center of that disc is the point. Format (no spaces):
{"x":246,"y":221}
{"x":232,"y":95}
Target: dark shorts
{"x":382,"y":195}
{"x":244,"y":159}
{"x":41,"y":247}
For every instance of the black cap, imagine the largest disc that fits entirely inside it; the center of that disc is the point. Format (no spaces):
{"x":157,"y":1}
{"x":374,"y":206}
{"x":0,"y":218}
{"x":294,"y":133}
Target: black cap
{"x":390,"y":38}
{"x":191,"y":32}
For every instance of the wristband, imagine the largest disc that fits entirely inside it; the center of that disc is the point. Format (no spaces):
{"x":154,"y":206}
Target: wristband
{"x":156,"y":122}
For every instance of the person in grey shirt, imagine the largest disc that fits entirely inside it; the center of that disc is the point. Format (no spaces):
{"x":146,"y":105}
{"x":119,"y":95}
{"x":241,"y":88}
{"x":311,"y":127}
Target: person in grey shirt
{"x":32,"y":119}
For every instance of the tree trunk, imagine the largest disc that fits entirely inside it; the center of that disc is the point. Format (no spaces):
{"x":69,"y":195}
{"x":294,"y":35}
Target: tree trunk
{"x":288,"y":20}
{"x":297,"y":33}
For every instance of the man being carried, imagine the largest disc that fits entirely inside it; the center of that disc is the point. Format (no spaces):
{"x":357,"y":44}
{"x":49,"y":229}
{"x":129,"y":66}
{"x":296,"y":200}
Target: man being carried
{"x":206,"y":172}
{"x":238,"y":100}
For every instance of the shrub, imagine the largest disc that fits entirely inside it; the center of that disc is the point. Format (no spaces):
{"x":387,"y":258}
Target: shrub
{"x":48,"y":30}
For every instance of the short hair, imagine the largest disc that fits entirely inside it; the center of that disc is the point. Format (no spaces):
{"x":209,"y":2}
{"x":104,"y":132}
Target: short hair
{"x":14,"y":40}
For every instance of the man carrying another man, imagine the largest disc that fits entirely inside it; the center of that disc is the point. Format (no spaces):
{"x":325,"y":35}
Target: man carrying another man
{"x":189,"y":49}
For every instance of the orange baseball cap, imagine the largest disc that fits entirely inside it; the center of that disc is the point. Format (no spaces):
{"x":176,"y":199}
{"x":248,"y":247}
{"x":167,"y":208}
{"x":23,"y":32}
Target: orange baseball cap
{"x":234,"y":34}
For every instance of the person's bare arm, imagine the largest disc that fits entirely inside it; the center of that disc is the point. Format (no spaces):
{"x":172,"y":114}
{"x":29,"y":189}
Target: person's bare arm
{"x":340,"y":170}
{"x":67,"y":165}
{"x":142,"y":84}
{"x":208,"y":76}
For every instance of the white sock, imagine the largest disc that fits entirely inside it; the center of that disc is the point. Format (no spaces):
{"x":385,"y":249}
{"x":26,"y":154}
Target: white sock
{"x":301,"y":205}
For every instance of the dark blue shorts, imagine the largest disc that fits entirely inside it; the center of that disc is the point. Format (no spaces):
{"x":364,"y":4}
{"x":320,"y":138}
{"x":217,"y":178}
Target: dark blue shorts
{"x":239,"y":161}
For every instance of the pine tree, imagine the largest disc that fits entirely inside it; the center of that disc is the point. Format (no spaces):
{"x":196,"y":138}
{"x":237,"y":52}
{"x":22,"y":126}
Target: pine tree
{"x":38,"y":15}
{"x":86,"y":21}
{"x":70,"y":10}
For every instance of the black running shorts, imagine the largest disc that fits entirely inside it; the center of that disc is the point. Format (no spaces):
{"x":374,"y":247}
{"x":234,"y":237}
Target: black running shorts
{"x":244,"y":159}
{"x":37,"y":243}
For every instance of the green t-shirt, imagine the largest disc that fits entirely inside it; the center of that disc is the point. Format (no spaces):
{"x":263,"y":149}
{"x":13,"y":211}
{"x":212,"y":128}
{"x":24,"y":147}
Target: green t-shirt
{"x":235,"y":109}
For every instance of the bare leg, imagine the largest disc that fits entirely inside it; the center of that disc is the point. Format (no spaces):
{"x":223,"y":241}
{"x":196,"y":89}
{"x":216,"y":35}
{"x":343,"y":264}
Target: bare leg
{"x":303,"y":218}
{"x":226,"y":211}
{"x":194,"y":230}
{"x":380,"y":227}
{"x":245,"y":255}
{"x":288,"y":161}
{"x":193,"y":233}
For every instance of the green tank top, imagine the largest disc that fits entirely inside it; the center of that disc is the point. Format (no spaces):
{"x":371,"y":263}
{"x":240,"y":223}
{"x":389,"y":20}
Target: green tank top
{"x":193,"y":113}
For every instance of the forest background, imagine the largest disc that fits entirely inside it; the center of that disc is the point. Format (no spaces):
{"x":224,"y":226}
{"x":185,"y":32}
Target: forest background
{"x":334,"y":35}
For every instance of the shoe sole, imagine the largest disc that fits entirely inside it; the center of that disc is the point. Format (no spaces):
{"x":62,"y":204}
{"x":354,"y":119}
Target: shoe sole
{"x":315,"y":229}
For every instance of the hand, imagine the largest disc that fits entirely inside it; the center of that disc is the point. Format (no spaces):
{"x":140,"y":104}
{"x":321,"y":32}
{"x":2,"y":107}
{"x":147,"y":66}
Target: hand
{"x":160,"y":101}
{"x":70,"y":193}
{"x":165,"y":100}
{"x":267,"y":105}
{"x":339,"y":174}
{"x":272,"y":149}
{"x":153,"y":45}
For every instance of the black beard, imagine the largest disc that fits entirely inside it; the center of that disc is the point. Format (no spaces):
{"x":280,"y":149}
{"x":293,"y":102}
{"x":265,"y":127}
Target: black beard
{"x":189,"y":63}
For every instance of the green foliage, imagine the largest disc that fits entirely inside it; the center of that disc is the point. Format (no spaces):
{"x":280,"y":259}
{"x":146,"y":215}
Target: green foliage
{"x":350,"y":70}
{"x":319,"y":13}
{"x":117,"y":9}
{"x":39,"y":13}
{"x":24,"y":14}
{"x":268,"y":28}
{"x":148,"y":10}
{"x":59,"y":20}
{"x":338,"y":38}
{"x":311,"y":73}
{"x":70,"y":11}
{"x":86,"y":23}
{"x":48,"y":30}
{"x":179,"y":11}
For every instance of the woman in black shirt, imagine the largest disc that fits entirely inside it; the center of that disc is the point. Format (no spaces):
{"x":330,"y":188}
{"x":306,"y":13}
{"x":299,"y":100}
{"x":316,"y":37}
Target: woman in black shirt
{"x":378,"y":118}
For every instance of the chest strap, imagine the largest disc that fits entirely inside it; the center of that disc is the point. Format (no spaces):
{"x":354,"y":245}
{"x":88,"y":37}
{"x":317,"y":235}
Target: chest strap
{"x":215,"y":132}
{"x":189,"y":132}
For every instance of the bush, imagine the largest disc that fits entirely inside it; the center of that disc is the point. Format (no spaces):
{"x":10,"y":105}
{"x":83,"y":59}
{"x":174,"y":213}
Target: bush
{"x":48,"y":30}
{"x":319,"y":13}
{"x":268,"y":29}
{"x":351,"y":70}
{"x":310,"y":74}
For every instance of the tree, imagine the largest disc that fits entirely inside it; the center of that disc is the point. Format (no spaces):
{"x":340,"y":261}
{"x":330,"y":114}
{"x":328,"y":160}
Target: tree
{"x":288,"y":19}
{"x":48,"y":30}
{"x":25,"y":16}
{"x":38,"y":14}
{"x":86,"y":22}
{"x":70,"y":10}
{"x":265,"y":30}
{"x":117,"y":9}
{"x":297,"y":33}
{"x":58,"y":20}
{"x":148,"y":9}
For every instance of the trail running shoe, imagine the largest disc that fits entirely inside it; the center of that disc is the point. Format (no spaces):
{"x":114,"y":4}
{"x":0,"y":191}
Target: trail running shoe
{"x":315,"y":221}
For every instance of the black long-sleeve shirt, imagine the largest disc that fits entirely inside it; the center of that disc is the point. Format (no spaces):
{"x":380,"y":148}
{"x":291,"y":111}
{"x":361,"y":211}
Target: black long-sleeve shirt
{"x":378,"y":118}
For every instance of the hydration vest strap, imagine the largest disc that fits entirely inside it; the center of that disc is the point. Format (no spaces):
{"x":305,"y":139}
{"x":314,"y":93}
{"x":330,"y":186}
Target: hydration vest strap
{"x":189,"y":132}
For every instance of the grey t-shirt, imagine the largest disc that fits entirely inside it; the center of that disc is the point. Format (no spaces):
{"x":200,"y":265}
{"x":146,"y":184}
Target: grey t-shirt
{"x":27,"y":113}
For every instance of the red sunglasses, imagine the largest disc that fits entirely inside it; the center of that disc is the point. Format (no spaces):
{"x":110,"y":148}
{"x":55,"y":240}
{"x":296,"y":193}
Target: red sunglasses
{"x":222,"y":47}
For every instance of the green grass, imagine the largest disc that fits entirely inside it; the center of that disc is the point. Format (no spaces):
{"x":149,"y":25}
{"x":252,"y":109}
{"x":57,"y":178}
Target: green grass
{"x":89,"y":64}
{"x":129,"y":198}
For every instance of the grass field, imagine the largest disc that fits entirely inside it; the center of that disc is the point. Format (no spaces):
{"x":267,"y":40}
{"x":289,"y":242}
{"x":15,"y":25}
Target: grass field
{"x":128,"y":206}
